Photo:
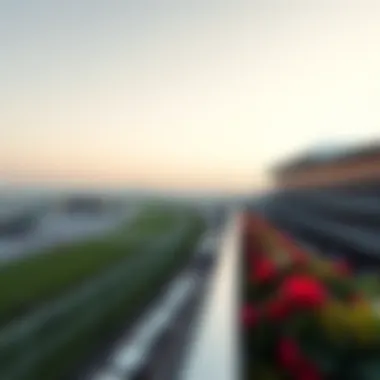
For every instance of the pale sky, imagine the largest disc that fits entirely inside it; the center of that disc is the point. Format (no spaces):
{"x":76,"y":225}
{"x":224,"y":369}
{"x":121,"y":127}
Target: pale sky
{"x":175,"y":93}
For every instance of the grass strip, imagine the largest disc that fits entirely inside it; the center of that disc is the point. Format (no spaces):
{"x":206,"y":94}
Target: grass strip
{"x":28,"y":283}
{"x":139,"y":289}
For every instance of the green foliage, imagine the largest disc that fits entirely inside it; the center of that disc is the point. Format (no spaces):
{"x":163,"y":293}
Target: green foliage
{"x":335,"y":334}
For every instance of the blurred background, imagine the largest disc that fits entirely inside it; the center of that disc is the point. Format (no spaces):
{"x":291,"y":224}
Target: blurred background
{"x":132,"y":130}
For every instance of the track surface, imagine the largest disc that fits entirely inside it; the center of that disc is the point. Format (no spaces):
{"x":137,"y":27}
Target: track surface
{"x":163,"y":359}
{"x":166,"y":358}
{"x":56,"y":229}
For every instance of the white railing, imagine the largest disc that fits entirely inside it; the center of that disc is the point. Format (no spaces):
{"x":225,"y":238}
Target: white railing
{"x":213,"y":354}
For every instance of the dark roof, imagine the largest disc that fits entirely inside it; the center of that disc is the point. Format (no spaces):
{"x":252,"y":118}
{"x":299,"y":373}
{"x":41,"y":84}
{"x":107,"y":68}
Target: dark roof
{"x":322,"y":157}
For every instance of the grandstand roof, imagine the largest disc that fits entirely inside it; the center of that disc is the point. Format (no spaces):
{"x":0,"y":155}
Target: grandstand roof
{"x":325,"y":155}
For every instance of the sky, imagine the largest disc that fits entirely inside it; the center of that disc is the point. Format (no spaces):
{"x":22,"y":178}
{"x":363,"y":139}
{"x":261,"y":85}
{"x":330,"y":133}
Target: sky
{"x":181,"y":94}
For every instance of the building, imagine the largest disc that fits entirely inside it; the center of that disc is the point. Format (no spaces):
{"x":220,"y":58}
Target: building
{"x":330,"y":200}
{"x":84,"y":204}
{"x":332,"y":167}
{"x":16,"y":223}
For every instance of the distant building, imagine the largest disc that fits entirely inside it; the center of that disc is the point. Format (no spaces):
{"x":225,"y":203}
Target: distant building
{"x":356,"y":166}
{"x":330,"y":200}
{"x":84,"y":204}
{"x":16,"y":224}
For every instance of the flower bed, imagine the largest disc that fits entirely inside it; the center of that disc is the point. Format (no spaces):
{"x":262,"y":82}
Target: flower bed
{"x":304,"y":317}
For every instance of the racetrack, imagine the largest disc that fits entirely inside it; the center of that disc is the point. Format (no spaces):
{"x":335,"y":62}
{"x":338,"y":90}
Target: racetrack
{"x":154,"y":347}
{"x":76,"y":317}
{"x":56,"y":229}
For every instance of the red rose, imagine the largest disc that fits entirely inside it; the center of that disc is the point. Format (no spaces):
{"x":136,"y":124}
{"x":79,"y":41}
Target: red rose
{"x":249,"y":316}
{"x":303,"y":291}
{"x":264,"y":271}
{"x":277,"y":310}
{"x":289,"y":354}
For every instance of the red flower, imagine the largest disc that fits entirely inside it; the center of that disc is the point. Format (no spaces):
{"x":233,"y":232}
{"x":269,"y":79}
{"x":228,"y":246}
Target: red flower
{"x":249,"y":316}
{"x":277,"y":310}
{"x":303,"y":291}
{"x":264,"y":271}
{"x":289,"y":354}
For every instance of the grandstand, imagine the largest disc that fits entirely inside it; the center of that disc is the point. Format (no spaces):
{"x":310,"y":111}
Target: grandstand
{"x":330,"y":200}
